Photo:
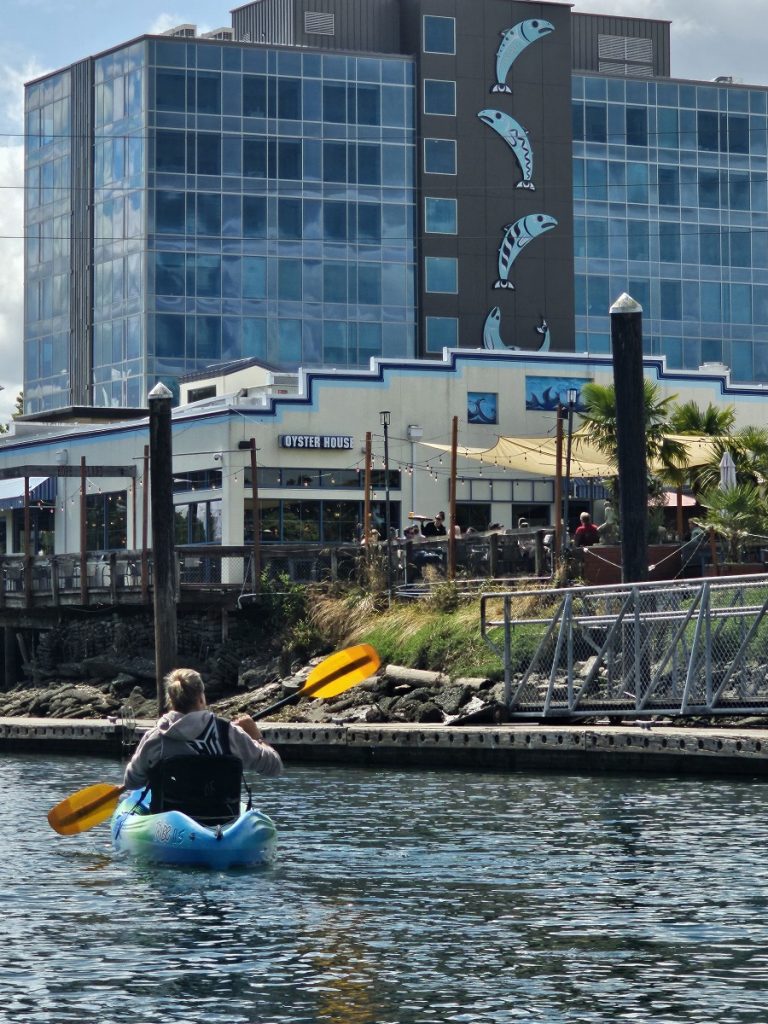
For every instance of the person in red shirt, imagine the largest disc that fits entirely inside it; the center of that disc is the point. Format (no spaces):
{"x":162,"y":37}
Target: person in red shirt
{"x":587,"y":533}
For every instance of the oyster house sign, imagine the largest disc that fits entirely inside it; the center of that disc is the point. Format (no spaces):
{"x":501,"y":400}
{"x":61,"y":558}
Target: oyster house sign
{"x":338,"y":442}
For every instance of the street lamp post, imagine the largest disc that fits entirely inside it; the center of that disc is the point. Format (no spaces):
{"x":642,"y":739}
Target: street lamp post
{"x":385,"y":417}
{"x":572,"y":395}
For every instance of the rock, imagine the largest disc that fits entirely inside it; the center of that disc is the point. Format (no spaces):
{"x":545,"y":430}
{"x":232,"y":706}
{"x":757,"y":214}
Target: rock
{"x":450,"y":698}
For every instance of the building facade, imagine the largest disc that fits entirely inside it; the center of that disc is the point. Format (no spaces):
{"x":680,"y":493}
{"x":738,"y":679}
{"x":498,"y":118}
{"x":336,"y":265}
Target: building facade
{"x":334,"y":180}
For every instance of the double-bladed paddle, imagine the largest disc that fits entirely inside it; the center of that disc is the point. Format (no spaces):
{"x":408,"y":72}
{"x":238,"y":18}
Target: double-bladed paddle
{"x":337,"y":673}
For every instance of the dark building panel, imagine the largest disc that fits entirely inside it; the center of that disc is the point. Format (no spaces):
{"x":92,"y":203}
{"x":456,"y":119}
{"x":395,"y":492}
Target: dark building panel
{"x":531,"y":88}
{"x":367,"y":26}
{"x":266,"y":21}
{"x":628,"y":47}
{"x":81,"y":240}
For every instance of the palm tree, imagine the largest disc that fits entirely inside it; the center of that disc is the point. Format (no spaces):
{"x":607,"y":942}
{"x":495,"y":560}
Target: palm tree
{"x":734,"y":514}
{"x":689,"y":418}
{"x":599,"y":416}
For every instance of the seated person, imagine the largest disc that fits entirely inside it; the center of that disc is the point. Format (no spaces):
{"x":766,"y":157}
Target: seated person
{"x":586,"y":533}
{"x":190,"y":730}
{"x":436,"y":528}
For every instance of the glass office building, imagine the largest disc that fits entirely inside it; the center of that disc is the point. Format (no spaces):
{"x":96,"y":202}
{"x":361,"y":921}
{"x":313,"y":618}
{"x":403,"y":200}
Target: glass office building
{"x":247,"y":202}
{"x":671,"y":205}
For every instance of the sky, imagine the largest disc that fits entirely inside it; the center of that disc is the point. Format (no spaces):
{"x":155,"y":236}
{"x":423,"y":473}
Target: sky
{"x":709,"y":38}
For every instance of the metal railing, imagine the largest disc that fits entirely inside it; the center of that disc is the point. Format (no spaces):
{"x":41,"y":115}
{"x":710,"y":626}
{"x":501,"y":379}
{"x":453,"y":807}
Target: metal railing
{"x":675,"y":648}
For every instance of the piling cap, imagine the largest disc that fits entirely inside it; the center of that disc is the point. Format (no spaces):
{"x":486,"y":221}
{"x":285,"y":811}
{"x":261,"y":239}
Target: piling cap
{"x":160,"y":391}
{"x":626,"y":304}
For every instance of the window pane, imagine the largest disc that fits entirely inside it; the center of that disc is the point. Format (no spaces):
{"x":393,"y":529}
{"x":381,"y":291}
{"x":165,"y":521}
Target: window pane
{"x":637,"y":240}
{"x":170,"y":212}
{"x":334,"y":161}
{"x":289,"y":98}
{"x":208,"y":153}
{"x":170,"y":152}
{"x":289,"y":159}
{"x":442,"y":332}
{"x":439,"y":156}
{"x":637,"y":126}
{"x":709,"y":189}
{"x":254,"y":158}
{"x":289,"y":218}
{"x":669,"y":242}
{"x":171,"y":90}
{"x":254,"y":96}
{"x":439,"y":34}
{"x":254,"y":277}
{"x":334,"y":103}
{"x":441,"y":274}
{"x":709,"y":245}
{"x":671,"y":300}
{"x":254,"y":216}
{"x":439,"y":97}
{"x":289,"y":279}
{"x":368,"y":104}
{"x":669,"y":186}
{"x":208,"y":93}
{"x":709,"y":130}
{"x":595,"y":122}
{"x":738,"y":134}
{"x":667,"y":127}
{"x":440,"y":216}
{"x":169,"y":273}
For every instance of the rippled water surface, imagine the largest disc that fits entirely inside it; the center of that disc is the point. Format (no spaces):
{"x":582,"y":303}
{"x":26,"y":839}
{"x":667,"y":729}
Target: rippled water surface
{"x":400,"y":898}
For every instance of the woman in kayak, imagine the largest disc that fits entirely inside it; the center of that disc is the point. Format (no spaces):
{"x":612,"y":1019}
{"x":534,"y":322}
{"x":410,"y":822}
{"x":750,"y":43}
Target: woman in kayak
{"x":189,"y":728}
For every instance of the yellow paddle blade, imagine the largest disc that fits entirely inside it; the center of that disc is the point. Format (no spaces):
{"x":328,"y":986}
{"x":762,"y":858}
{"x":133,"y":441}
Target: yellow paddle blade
{"x":84,"y":809}
{"x":341,"y":671}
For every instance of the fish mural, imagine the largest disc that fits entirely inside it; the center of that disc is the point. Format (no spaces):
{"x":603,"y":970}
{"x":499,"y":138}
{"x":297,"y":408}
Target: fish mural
{"x":513,"y":41}
{"x":516,"y":237}
{"x":492,"y":339}
{"x":492,"y":333}
{"x":516,"y":137}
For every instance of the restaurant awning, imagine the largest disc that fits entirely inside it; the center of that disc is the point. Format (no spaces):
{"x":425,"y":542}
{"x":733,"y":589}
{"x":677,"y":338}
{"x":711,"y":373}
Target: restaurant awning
{"x":537,"y":455}
{"x":41,"y":488}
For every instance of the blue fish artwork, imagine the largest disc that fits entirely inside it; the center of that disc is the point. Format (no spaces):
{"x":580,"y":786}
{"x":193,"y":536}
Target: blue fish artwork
{"x":516,"y":237}
{"x":543,"y":330}
{"x":516,"y":137}
{"x":492,"y":333}
{"x":482,"y":407}
{"x":513,"y":42}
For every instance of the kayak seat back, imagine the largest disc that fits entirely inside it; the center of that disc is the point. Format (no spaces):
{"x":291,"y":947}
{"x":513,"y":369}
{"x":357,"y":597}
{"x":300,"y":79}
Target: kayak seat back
{"x":204,"y":788}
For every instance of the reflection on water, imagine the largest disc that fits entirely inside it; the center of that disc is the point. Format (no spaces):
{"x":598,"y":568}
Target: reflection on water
{"x":400,"y":898}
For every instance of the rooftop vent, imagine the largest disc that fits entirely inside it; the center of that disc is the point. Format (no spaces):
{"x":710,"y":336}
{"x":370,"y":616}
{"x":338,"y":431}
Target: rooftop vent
{"x":319,"y":23}
{"x":625,"y":55}
{"x":724,"y":79}
{"x":185,"y":31}
{"x":219,"y":33}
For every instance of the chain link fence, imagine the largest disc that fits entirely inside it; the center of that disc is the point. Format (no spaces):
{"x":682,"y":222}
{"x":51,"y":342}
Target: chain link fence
{"x":682,"y":648}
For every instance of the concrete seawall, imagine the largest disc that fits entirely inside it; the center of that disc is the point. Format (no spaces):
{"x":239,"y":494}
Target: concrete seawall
{"x":604,"y":748}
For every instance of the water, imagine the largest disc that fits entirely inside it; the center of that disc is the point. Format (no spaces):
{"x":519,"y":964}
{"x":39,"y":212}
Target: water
{"x":400,"y":898}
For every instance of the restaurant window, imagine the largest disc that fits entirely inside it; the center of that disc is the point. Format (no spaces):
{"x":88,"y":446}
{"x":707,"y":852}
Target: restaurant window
{"x":106,"y":521}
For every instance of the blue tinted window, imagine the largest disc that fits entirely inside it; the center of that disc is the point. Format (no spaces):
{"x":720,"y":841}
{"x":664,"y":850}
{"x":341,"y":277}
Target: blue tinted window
{"x":170,"y":212}
{"x":289,"y":98}
{"x":709,"y":189}
{"x":170,"y":152}
{"x":439,"y":156}
{"x":597,"y":238}
{"x":289,"y":159}
{"x":439,"y":97}
{"x":334,"y":161}
{"x":208,"y":214}
{"x":670,"y":294}
{"x":335,"y":282}
{"x":254,"y":277}
{"x":289,"y":218}
{"x":760,"y":304}
{"x":442,"y":332}
{"x":169,"y":273}
{"x":709,"y":130}
{"x":392,"y":106}
{"x":669,"y":242}
{"x":207,"y":275}
{"x":441,"y":274}
{"x":667,"y":127}
{"x":334,"y":103}
{"x":208,"y":153}
{"x":637,"y":240}
{"x":637,"y":126}
{"x":439,"y":34}
{"x":741,"y":304}
{"x":335,"y":221}
{"x":169,"y":337}
{"x":669,"y":186}
{"x":208,"y":338}
{"x":369,"y":283}
{"x":598,"y":300}
{"x":254,"y":96}
{"x":254,"y":158}
{"x":595,"y":129}
{"x":597,"y":179}
{"x":577,"y":120}
{"x":637,"y":183}
{"x":741,"y":249}
{"x":738,"y":191}
{"x":208,"y":93}
{"x":369,"y":165}
{"x":738,"y":134}
{"x":711,"y":304}
{"x":368,"y":222}
{"x":368,"y":104}
{"x":440,"y":216}
{"x":254,"y":216}
{"x":171,"y":90}
{"x":709,"y":245}
{"x":335,"y":346}
{"x":289,"y":279}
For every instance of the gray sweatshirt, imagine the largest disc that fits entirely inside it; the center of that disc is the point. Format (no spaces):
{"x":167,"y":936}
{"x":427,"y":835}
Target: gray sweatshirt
{"x":177,"y":735}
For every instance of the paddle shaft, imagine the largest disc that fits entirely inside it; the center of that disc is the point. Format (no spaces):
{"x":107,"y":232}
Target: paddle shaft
{"x":311,"y":687}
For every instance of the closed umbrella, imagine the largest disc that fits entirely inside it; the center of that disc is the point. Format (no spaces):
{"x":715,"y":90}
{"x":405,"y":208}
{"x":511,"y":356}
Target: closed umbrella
{"x":727,"y":472}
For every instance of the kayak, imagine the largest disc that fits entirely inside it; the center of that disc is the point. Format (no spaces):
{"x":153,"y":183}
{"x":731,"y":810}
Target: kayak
{"x":174,"y":838}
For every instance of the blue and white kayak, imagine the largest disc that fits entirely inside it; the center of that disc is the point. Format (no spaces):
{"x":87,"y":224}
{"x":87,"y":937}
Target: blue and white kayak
{"x":174,"y":838}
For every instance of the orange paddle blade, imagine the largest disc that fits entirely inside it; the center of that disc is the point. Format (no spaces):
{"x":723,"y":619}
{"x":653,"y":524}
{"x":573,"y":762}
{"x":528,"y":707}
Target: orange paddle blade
{"x":84,"y":809}
{"x":341,"y":671}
